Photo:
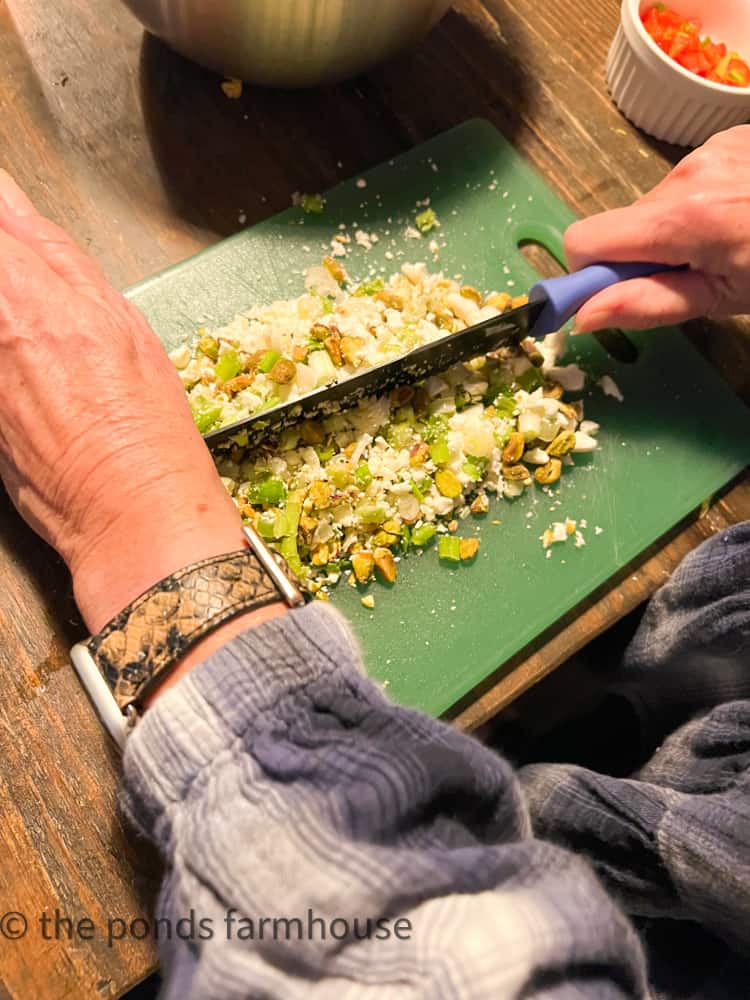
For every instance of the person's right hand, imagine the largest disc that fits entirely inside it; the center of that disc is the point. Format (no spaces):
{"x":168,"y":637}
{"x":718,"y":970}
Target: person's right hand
{"x":698,"y":215}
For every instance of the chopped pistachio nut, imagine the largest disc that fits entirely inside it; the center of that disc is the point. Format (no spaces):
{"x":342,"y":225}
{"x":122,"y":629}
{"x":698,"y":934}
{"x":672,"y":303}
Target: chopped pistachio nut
{"x":480,"y":504}
{"x":232,"y":88}
{"x":368,"y":601}
{"x":363,"y":564}
{"x":448,"y":484}
{"x":468,"y":548}
{"x":469,"y":292}
{"x":549,"y":473}
{"x":385,"y":564}
{"x":333,"y":346}
{"x":351,"y":349}
{"x":562,"y":444}
{"x":514,"y":448}
{"x":499,"y":300}
{"x":389,"y":299}
{"x":335,"y":270}
{"x":283,"y":371}
{"x":516,"y":473}
{"x":209,"y":346}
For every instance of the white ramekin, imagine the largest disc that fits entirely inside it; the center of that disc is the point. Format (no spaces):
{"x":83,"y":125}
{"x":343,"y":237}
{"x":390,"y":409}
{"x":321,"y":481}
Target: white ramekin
{"x":661,"y":97}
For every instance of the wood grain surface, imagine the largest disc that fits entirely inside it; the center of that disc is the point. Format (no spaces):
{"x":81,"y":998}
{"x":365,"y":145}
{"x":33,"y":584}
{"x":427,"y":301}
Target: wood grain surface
{"x":139,"y":154}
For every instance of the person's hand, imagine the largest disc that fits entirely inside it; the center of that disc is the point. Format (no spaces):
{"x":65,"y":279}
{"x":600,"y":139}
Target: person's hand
{"x":698,"y":215}
{"x":98,"y":449}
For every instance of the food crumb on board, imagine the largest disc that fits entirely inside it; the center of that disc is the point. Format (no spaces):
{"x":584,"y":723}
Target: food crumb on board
{"x":361,"y":182}
{"x":368,"y":601}
{"x":561,"y":531}
{"x":610,"y":388}
{"x":232,"y":88}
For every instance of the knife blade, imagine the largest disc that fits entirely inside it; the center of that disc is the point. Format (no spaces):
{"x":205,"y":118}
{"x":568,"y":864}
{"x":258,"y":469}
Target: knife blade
{"x":507,"y":329}
{"x":551,"y":303}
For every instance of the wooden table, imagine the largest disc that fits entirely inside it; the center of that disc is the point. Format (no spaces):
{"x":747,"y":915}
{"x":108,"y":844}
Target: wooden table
{"x":140,"y":155}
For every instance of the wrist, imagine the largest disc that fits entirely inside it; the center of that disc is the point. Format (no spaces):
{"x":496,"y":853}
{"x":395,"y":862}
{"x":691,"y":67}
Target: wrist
{"x":156,"y":533}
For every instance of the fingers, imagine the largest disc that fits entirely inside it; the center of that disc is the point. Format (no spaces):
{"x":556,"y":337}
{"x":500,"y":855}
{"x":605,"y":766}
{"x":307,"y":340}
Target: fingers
{"x":647,"y":302}
{"x":19,"y":219}
{"x":646,"y":231}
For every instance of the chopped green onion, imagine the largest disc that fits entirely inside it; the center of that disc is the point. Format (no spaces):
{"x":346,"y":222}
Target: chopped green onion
{"x":206,"y":413}
{"x":475,"y":467}
{"x":505,"y":406}
{"x":426,"y":220}
{"x":417,"y":491}
{"x":398,"y":435}
{"x":228,"y":365}
{"x":267,"y":525}
{"x":290,"y":524}
{"x":324,"y":452}
{"x":435,"y":428}
{"x":268,"y":360}
{"x":405,"y":538}
{"x":288,"y":549}
{"x":240,"y":439}
{"x":370,"y":515}
{"x":327,"y":302}
{"x":340,"y":477}
{"x":531,"y":379}
{"x":315,"y":345}
{"x":404,"y":414}
{"x":269,"y":491}
{"x":363,"y":475}
{"x":370,"y":287}
{"x":449,"y":547}
{"x":423,"y":534}
{"x":312,"y":203}
{"x":439,"y":453}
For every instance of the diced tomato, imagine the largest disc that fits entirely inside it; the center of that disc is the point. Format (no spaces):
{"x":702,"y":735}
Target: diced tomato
{"x":679,"y":37}
{"x":680,"y":43}
{"x":696,"y":62}
{"x":738,"y":73}
{"x":714,"y":53}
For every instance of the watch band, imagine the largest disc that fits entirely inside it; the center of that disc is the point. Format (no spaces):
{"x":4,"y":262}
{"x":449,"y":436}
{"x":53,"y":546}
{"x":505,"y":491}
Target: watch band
{"x":138,"y":648}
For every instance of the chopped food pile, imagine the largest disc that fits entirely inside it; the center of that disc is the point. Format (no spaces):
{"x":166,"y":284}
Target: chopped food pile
{"x":679,"y":37}
{"x":353,"y":492}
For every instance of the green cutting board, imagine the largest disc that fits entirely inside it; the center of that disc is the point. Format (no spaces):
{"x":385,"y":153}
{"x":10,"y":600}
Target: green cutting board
{"x":679,"y":435}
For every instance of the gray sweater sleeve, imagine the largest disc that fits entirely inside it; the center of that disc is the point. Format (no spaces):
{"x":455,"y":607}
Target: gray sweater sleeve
{"x":320,"y":841}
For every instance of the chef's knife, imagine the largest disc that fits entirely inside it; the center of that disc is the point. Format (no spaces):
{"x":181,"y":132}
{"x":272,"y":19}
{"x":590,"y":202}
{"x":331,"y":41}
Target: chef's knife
{"x":551,"y":303}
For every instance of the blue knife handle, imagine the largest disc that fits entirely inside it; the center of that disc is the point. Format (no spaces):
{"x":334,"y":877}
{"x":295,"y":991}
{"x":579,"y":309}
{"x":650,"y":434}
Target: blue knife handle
{"x":564,"y":296}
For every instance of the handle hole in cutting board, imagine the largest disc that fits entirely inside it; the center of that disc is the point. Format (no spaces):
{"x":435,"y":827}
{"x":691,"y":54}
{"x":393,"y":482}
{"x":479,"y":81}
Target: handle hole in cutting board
{"x":616,"y":343}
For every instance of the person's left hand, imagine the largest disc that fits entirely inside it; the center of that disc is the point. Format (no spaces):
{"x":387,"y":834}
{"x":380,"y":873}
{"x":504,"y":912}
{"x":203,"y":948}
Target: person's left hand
{"x":98,"y":448}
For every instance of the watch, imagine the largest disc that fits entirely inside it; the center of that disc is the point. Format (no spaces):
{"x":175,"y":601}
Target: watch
{"x":141,"y":645}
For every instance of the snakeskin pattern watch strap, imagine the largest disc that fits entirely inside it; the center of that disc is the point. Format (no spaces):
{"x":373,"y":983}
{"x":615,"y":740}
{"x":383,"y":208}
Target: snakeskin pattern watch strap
{"x":152,"y":633}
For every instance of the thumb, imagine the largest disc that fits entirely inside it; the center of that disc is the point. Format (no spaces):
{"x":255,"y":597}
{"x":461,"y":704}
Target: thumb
{"x":643,"y":303}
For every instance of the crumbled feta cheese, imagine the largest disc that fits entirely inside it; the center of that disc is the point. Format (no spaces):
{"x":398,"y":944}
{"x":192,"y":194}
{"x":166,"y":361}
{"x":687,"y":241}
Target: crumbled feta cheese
{"x":610,"y":388}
